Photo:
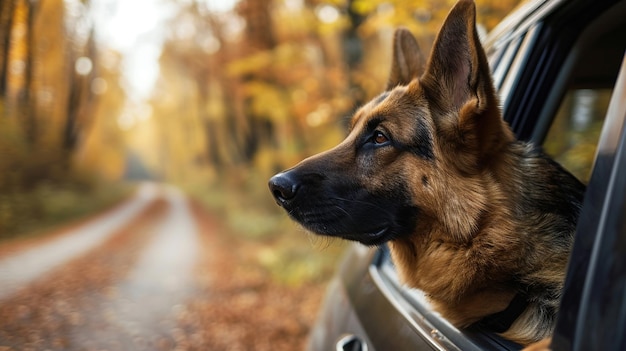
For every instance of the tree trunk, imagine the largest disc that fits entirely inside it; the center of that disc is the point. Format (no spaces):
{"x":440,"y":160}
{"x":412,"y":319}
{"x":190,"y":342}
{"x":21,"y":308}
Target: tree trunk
{"x":353,"y":52}
{"x":259,"y":37}
{"x":6,"y":21}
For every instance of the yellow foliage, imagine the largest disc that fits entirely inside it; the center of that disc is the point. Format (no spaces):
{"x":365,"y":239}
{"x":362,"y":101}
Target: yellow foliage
{"x":365,"y":6}
{"x":282,"y":56}
{"x":423,"y":17}
{"x":17,"y":56}
{"x":268,"y":101}
{"x":250,"y":64}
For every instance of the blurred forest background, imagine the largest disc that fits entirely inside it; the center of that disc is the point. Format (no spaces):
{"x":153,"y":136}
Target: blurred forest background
{"x":238,"y":91}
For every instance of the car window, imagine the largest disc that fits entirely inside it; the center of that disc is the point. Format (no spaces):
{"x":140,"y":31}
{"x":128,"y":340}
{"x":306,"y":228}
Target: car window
{"x":572,"y":136}
{"x":574,"y":133}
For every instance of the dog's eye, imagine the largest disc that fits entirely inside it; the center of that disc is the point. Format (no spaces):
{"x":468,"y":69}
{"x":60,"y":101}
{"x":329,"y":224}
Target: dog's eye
{"x":379,"y":138}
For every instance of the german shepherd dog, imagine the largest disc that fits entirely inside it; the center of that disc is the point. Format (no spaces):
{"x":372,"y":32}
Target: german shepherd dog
{"x":479,"y":221}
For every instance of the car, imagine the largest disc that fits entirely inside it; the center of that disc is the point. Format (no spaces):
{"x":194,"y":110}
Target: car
{"x":560,"y":70}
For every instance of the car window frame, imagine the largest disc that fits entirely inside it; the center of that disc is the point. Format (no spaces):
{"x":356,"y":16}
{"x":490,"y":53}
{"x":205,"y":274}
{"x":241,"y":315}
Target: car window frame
{"x":546,"y":62}
{"x":554,"y":97}
{"x":527,"y":40}
{"x":578,"y":326}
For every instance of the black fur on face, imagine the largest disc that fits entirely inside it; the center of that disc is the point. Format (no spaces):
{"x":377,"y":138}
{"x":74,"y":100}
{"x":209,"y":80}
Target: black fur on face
{"x":335,"y":204}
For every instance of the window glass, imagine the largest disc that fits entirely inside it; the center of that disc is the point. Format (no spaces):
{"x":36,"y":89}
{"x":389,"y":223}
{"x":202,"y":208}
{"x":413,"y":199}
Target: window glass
{"x":575,"y":130}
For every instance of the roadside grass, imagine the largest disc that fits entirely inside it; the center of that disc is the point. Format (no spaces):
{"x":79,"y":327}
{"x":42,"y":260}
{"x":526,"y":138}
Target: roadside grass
{"x":289,"y":254}
{"x":33,"y":212}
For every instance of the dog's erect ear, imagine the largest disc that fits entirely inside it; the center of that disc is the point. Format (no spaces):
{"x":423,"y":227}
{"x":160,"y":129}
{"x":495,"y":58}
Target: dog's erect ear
{"x":407,"y":61}
{"x":459,"y":79}
{"x":457,"y":66}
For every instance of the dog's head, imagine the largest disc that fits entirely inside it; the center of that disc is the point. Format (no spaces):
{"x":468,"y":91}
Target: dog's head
{"x":415,"y":155}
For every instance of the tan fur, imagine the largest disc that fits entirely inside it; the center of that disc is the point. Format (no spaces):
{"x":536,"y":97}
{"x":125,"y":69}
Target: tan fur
{"x":543,"y":345}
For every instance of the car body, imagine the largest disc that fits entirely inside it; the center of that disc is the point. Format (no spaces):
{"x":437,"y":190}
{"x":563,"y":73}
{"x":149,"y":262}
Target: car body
{"x":560,"y":70}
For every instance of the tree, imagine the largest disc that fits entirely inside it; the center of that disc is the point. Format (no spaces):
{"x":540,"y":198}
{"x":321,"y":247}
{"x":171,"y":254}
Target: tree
{"x":45,"y":97}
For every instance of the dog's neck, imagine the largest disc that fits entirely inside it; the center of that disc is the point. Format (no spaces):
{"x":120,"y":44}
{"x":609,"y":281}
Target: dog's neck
{"x":481,"y":241}
{"x":425,"y":264}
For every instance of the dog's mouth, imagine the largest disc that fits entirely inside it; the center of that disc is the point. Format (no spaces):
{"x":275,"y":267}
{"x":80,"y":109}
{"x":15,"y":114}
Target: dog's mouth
{"x":373,"y":238}
{"x":348,"y":229}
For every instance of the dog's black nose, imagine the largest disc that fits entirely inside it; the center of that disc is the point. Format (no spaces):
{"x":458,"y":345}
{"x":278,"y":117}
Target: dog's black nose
{"x":283,"y":187}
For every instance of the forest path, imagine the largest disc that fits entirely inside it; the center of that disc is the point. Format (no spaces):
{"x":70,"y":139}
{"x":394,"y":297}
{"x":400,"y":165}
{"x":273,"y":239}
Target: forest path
{"x":19,"y":269}
{"x":157,"y":272}
{"x":116,"y":280}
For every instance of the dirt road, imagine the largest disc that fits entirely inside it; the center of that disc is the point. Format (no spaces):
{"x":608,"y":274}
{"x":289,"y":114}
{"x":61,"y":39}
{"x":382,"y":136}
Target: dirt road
{"x":155,"y":273}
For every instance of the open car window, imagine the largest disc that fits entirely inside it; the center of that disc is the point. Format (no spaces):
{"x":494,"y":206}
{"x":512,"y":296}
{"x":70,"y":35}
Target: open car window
{"x":572,"y":120}
{"x":574,"y":131}
{"x":573,"y":136}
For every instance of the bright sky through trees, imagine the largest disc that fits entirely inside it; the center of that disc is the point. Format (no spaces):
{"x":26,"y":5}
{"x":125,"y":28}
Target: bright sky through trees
{"x":136,"y":29}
